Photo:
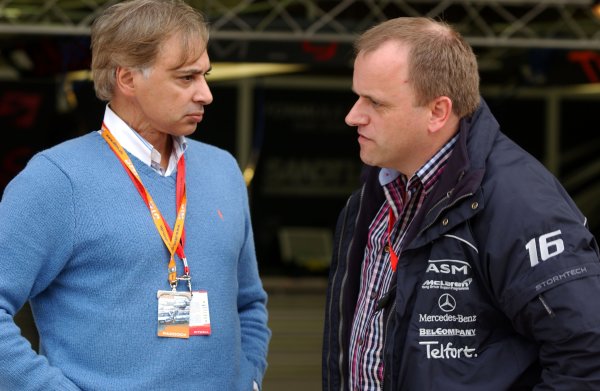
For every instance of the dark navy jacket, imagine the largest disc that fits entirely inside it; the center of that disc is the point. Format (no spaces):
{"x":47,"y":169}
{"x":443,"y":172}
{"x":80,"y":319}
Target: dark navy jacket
{"x":497,"y":286}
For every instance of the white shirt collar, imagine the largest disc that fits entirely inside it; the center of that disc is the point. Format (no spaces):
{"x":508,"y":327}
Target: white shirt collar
{"x":139,"y":147}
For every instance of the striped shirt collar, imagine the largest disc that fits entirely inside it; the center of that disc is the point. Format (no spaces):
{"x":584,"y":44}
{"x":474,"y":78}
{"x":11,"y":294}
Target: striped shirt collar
{"x":137,"y":146}
{"x":396,"y":186}
{"x":427,"y":171}
{"x":427,"y":174}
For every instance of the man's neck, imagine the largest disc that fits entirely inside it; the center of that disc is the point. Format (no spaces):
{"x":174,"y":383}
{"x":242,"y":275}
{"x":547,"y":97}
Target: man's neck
{"x":161,"y":141}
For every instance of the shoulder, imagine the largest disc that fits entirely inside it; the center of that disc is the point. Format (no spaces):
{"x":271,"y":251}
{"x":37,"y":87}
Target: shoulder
{"x":80,"y":164}
{"x":516,"y":177}
{"x":67,"y":153}
{"x":209,"y":156}
{"x":202,"y":150}
{"x":522,"y":200}
{"x":80,"y":143}
{"x":79,"y":149}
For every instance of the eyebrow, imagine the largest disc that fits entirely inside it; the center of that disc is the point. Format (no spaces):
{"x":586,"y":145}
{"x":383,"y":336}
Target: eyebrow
{"x":194,"y":71}
{"x":364,"y":96}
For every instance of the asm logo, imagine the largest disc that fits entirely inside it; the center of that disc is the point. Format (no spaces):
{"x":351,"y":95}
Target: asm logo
{"x":448,"y":266}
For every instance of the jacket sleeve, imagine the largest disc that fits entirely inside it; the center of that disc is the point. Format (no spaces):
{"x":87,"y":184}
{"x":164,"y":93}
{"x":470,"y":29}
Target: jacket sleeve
{"x":36,"y":226}
{"x":545,"y":274}
{"x":565,"y":322}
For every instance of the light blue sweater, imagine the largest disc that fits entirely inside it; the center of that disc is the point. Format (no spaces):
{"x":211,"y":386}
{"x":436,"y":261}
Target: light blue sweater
{"x":77,"y":240}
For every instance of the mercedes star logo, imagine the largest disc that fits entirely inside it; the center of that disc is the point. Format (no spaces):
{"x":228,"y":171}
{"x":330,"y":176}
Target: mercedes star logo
{"x":447,"y":303}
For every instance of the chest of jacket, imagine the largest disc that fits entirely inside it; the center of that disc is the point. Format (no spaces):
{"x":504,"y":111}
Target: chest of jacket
{"x":444,"y":319}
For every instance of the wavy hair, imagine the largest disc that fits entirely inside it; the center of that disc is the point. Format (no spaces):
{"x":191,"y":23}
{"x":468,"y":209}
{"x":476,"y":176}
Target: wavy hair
{"x":131,"y":34}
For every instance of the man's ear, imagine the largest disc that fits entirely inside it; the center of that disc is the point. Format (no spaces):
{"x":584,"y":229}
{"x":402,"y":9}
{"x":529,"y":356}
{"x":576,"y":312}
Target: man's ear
{"x":441,"y":111}
{"x":124,"y":81}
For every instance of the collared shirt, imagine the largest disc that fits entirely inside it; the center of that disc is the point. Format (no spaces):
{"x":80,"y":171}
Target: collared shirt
{"x":405,"y":197}
{"x":137,"y":146}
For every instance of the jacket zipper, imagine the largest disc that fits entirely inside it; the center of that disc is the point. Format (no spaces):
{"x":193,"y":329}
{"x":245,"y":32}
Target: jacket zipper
{"x":385,"y":334}
{"x":340,"y":324}
{"x":341,"y":357}
{"x":448,"y":194}
{"x":546,"y":306}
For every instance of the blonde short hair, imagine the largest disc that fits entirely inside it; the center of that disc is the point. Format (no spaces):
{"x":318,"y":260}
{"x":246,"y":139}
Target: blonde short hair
{"x":131,"y":33}
{"x":441,"y":62}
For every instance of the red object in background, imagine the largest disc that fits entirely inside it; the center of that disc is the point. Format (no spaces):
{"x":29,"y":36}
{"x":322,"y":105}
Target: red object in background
{"x":587,"y":60}
{"x":320,"y":52}
{"x":19,"y":109}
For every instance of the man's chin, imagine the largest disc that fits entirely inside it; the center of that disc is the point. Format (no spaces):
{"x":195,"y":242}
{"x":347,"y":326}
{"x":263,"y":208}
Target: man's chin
{"x":367,"y":159}
{"x":188,"y":130}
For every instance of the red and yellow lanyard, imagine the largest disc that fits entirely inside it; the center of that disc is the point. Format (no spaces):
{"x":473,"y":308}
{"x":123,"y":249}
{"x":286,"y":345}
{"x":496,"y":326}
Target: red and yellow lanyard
{"x":173,"y":239}
{"x":393,"y":255}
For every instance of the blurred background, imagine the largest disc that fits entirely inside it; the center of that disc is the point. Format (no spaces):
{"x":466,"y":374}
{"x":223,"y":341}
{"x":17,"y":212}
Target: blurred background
{"x":281,"y":82}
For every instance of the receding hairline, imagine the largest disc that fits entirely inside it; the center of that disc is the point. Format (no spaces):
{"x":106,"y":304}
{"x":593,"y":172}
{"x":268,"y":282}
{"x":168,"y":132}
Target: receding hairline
{"x":454,"y":73}
{"x":378,"y":35}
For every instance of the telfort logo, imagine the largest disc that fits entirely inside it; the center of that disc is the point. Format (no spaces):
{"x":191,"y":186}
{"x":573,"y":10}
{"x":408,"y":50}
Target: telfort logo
{"x":437,"y":351}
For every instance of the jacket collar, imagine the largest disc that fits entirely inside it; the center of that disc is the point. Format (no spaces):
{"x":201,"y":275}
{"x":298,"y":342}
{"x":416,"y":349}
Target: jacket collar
{"x":461,"y":178}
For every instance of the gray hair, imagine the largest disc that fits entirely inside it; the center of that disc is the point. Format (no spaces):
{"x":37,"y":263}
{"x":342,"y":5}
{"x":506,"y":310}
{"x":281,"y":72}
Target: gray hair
{"x":131,"y":33}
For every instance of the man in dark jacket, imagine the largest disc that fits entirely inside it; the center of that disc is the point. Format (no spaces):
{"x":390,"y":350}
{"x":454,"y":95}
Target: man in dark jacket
{"x":461,"y":263}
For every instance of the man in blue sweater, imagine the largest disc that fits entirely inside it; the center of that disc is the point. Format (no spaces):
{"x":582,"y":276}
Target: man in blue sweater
{"x":133,"y":244}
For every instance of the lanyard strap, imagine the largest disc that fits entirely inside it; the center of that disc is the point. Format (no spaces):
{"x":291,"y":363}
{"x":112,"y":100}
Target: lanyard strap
{"x":173,"y":239}
{"x":393,"y":255}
